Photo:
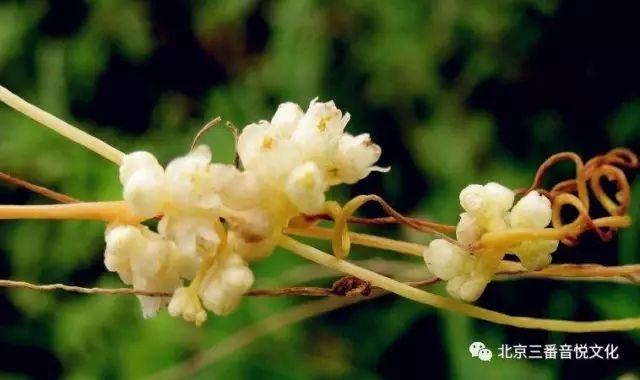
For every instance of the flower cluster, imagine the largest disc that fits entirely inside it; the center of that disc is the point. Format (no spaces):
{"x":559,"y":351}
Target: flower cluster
{"x":489,"y":208}
{"x":289,"y":164}
{"x":301,"y":154}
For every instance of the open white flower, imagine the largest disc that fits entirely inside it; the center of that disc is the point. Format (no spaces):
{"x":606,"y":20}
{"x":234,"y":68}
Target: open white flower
{"x":356,"y":157}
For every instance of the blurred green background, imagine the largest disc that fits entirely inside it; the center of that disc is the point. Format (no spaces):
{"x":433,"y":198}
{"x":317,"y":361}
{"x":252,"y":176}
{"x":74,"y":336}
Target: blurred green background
{"x":454,"y":91}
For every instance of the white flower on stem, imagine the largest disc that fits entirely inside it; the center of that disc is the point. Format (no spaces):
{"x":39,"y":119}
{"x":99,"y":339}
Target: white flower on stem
{"x":265,"y":153}
{"x":533,"y":211}
{"x":186,"y":304}
{"x":488,"y":204}
{"x":319,"y":131}
{"x":143,"y":181}
{"x":237,"y":190}
{"x":190,"y":181}
{"x":446,"y":260}
{"x":468,"y":229}
{"x":356,"y":157}
{"x":285,"y":120}
{"x":461,"y":270}
{"x":189,"y":232}
{"x":225,"y":283}
{"x":305,"y":188}
{"x":145,"y":260}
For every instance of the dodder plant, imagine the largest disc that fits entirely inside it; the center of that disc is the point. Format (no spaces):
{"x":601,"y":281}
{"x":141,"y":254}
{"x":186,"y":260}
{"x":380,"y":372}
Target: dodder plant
{"x":214,"y":219}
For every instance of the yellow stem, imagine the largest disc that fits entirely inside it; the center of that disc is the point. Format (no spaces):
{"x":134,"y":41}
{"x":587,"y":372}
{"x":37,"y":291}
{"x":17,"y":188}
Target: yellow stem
{"x":508,"y":238}
{"x":62,"y":127}
{"x":361,"y":239}
{"x":446,"y":303}
{"x":106,"y":211}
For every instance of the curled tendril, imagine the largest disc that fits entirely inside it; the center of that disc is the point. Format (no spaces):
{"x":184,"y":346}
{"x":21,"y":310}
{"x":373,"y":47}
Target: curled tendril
{"x":575,"y":192}
{"x":341,"y":242}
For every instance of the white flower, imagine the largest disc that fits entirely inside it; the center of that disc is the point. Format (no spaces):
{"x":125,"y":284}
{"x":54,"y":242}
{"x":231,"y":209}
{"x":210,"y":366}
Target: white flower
{"x":145,"y":260}
{"x":355,"y":158}
{"x":266,"y":154}
{"x":319,"y":131}
{"x":466,"y":279}
{"x":237,"y":190}
{"x":322,"y":119}
{"x":190,"y":181}
{"x":468,"y":229}
{"x":285,"y":120}
{"x":186,"y":304}
{"x":533,"y":211}
{"x":305,"y":188}
{"x":189,"y":232}
{"x":135,"y":162}
{"x":224,"y":285}
{"x":122,"y":241}
{"x":488,"y":204}
{"x":446,"y":260}
{"x":143,"y":181}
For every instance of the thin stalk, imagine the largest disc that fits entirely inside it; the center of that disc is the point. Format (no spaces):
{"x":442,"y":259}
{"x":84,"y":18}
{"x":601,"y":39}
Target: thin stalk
{"x":105,"y":211}
{"x":62,"y":127}
{"x":386,"y":283}
{"x":361,"y":239}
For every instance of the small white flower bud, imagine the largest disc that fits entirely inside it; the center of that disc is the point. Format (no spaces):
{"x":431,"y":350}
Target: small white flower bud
{"x":468,"y":230}
{"x":123,"y":241}
{"x":532,"y":211}
{"x":286,"y":119}
{"x":144,"y":192}
{"x":472,"y":198}
{"x":500,"y":197}
{"x":137,"y":161}
{"x":445,"y":260}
